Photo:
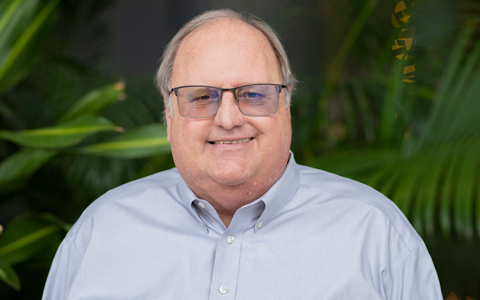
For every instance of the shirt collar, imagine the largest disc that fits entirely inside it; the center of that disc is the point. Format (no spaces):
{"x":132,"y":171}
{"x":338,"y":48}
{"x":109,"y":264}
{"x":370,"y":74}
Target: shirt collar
{"x":188,"y":198}
{"x":275,"y":198}
{"x":280,"y":193}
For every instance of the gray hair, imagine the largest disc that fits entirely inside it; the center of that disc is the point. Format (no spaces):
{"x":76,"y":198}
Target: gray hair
{"x":165,"y":71}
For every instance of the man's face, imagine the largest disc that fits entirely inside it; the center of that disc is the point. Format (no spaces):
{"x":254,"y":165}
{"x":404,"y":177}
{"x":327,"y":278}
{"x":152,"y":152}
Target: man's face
{"x":226,"y":54}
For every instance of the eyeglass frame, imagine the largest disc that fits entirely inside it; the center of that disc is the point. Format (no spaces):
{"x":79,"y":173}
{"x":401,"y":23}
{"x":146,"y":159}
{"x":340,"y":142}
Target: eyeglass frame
{"x":280,"y":87}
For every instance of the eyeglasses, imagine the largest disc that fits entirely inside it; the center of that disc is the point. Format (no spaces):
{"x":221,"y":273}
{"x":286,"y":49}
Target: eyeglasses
{"x":254,"y":100}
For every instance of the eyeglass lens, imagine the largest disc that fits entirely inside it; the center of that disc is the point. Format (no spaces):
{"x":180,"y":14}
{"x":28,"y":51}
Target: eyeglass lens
{"x":203,"y":101}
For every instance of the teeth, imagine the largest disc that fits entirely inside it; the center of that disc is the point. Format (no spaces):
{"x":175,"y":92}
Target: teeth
{"x":233,"y":142}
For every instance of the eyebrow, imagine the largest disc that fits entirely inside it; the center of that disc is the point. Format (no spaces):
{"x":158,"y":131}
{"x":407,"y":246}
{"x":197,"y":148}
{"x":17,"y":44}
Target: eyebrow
{"x":202,"y":91}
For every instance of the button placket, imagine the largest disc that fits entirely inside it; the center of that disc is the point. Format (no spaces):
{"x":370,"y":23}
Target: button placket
{"x":227,"y":256}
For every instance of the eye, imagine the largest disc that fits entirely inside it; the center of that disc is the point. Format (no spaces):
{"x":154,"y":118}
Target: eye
{"x":204,"y":95}
{"x":204,"y":98}
{"x":253,"y":98}
{"x":252,"y":95}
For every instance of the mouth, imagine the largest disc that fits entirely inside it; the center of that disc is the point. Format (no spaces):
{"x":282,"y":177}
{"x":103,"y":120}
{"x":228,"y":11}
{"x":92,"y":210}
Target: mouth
{"x":231,"y":142}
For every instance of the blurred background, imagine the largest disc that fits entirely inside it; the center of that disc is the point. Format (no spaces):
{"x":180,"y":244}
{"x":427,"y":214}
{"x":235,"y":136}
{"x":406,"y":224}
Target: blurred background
{"x":388,"y":94}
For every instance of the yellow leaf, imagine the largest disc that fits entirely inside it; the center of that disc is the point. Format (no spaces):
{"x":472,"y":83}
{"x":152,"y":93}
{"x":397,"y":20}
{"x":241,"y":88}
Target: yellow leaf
{"x":452,"y":296}
{"x":400,"y":6}
{"x":395,"y":22}
{"x":409,"y":69}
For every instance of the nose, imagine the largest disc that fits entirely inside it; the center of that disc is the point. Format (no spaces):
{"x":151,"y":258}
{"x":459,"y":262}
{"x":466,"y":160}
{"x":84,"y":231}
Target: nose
{"x":228,"y":115}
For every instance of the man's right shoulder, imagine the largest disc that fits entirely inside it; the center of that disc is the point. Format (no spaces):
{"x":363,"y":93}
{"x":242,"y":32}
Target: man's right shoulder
{"x":160,"y":180}
{"x":135,"y":191}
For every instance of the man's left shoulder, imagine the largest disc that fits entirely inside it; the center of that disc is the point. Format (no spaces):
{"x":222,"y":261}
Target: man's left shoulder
{"x":343,"y":187}
{"x":346,"y":192}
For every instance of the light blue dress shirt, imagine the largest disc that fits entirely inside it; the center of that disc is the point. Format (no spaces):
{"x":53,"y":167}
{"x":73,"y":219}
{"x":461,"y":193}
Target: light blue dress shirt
{"x":313,"y":235}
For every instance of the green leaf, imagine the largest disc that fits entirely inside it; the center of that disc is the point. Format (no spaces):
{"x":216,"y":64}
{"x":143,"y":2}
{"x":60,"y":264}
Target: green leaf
{"x":142,"y":142}
{"x":446,"y":194}
{"x":350,"y":115}
{"x":441,"y":111}
{"x":28,"y":235}
{"x":16,"y":59}
{"x":60,"y":136}
{"x":338,"y":62}
{"x":424,"y":208}
{"x":17,"y":168}
{"x":393,"y":95}
{"x":405,"y":190}
{"x":453,"y":65}
{"x":464,"y":196}
{"x":354,"y":163}
{"x":386,"y":180}
{"x":9,"y":276}
{"x":365,"y":111}
{"x":15,"y":17}
{"x":95,"y":101}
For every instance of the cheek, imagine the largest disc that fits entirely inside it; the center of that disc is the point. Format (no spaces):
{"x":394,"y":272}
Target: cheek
{"x":183,"y":151}
{"x":187,"y":135}
{"x":279,"y":130}
{"x":283,"y":138}
{"x":176,"y":138}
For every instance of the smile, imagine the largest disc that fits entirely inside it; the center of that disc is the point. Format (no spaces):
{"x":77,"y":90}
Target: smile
{"x":232,"y":142}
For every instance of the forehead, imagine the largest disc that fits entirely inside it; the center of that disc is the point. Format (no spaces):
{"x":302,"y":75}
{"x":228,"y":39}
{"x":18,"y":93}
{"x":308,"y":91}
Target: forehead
{"x":225,"y":50}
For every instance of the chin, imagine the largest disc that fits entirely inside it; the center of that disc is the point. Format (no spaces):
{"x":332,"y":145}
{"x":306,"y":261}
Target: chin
{"x":231,"y":177}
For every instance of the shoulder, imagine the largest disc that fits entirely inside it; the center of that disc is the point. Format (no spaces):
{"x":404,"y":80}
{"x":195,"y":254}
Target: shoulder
{"x":156,"y":182}
{"x":145,"y":194}
{"x":348,"y":193}
{"x":339,"y":185}
{"x":122,"y":216}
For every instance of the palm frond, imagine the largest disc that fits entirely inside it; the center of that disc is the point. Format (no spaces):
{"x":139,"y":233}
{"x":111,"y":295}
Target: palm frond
{"x":434,"y":176}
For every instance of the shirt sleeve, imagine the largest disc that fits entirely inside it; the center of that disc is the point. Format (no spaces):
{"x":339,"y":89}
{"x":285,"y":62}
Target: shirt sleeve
{"x":62,"y":272}
{"x":416,"y":278}
{"x":68,"y":260}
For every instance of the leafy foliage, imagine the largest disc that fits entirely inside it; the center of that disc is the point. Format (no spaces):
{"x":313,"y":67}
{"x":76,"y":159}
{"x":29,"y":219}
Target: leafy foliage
{"x":137,"y":143}
{"x":63,"y":135}
{"x":23,"y":26}
{"x":434,"y":173}
{"x":18,"y":167}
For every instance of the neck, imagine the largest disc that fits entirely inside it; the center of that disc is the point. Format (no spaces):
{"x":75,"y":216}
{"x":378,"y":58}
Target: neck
{"x":228,"y":198}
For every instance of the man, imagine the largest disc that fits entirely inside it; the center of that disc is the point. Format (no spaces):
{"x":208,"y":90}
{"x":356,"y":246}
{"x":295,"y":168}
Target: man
{"x":238,"y":218}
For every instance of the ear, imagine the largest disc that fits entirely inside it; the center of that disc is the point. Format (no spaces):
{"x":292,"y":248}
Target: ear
{"x":168,"y":119}
{"x":289,"y":88}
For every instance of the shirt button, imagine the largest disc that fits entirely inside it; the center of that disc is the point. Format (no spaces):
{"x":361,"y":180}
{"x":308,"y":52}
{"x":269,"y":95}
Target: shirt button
{"x":230,"y":239}
{"x":223,"y":289}
{"x":201,"y":205}
{"x":259,"y":224}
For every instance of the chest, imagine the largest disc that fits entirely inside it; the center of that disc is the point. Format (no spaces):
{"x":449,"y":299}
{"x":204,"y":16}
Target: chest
{"x":274,"y":263}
